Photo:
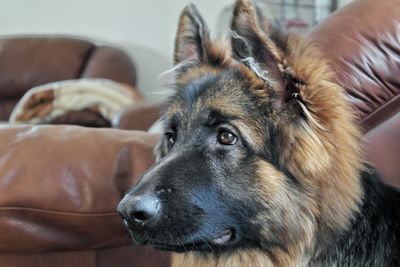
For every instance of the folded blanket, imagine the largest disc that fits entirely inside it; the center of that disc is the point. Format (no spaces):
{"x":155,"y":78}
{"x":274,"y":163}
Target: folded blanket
{"x":46,"y":103}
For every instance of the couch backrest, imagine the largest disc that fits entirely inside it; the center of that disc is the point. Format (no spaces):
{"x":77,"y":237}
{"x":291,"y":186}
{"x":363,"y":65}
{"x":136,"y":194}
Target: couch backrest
{"x":26,"y":62}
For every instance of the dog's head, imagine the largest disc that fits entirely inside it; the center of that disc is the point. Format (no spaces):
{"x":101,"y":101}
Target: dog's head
{"x":249,"y":138}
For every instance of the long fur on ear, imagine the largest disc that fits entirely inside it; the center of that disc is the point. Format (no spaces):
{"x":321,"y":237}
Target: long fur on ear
{"x":192,"y":37}
{"x":252,"y":46}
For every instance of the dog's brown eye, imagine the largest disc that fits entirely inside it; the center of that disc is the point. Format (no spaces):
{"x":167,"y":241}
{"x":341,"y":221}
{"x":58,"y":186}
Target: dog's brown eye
{"x":170,"y":139}
{"x":226,"y":138}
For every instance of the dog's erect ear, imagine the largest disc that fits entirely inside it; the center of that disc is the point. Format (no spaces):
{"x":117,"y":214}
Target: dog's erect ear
{"x":192,"y":37}
{"x":250,"y":43}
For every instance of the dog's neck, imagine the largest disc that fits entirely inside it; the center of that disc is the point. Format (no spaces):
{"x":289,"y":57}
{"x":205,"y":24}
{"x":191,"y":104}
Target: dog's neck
{"x":256,"y":258}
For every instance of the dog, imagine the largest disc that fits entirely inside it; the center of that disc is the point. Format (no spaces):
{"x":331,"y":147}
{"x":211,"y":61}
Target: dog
{"x":260,"y":162}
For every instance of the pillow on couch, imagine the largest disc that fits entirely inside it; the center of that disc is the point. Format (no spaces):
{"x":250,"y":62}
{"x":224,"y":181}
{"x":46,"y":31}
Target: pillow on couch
{"x":86,"y":102}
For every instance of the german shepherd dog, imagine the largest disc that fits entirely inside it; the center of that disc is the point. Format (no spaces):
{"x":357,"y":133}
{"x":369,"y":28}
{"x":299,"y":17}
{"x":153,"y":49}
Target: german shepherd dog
{"x":260,"y":161}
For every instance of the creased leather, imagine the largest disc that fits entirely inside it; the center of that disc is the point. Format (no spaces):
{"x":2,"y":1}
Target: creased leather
{"x":60,"y":186}
{"x":362,"y":43}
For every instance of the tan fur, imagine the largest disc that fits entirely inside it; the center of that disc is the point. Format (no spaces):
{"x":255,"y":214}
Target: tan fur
{"x":253,"y":258}
{"x":326,"y":153}
{"x":274,"y":191}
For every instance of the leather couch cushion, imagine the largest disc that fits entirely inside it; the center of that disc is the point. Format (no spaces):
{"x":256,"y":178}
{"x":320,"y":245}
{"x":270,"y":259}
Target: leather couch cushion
{"x":60,"y":186}
{"x":6,"y":107}
{"x":112,"y":257}
{"x":383,"y":149}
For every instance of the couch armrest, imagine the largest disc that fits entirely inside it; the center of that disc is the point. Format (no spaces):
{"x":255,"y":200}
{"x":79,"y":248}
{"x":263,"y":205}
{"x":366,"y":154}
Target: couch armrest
{"x":111,"y":63}
{"x":139,"y":116}
{"x":60,"y":185}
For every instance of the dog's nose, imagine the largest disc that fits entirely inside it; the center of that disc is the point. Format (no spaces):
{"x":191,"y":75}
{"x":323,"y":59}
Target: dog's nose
{"x":140,"y":209}
{"x":144,"y":208}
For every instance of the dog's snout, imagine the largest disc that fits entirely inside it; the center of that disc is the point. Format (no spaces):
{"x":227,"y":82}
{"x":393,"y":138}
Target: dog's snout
{"x":140,"y":209}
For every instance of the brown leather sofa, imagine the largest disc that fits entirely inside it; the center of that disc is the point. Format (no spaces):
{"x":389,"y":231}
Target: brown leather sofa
{"x":59,"y":185}
{"x":29,"y":61}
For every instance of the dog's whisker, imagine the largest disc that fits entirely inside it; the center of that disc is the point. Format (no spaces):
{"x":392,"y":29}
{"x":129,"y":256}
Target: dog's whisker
{"x":177,"y":67}
{"x":170,"y":236}
{"x":165,"y":92}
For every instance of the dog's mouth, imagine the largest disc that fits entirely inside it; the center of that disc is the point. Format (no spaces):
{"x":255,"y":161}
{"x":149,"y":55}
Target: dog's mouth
{"x":201,"y":244}
{"x":222,"y":240}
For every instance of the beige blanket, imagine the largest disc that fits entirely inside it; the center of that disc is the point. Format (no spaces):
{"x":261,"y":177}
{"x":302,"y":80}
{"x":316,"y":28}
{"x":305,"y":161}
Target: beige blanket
{"x":44,"y":103}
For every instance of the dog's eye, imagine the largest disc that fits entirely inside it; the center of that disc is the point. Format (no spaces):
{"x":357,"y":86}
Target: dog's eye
{"x":170,"y":137}
{"x":226,"y":138}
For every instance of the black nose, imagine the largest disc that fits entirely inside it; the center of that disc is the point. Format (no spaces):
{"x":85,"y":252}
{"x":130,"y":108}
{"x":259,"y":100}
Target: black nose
{"x":140,"y":209}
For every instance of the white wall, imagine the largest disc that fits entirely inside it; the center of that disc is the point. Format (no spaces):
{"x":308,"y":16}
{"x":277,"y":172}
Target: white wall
{"x":344,"y":2}
{"x":145,"y":29}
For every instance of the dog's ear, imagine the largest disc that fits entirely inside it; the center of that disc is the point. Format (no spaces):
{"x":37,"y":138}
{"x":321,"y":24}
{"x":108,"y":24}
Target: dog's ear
{"x":252,"y":45}
{"x":192,"y":37}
